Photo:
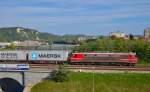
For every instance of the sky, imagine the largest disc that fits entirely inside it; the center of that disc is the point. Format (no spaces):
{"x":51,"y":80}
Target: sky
{"x":89,"y":17}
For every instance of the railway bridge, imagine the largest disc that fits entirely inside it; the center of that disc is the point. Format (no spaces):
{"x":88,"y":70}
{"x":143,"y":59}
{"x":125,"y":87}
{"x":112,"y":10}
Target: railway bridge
{"x":20,"y":79}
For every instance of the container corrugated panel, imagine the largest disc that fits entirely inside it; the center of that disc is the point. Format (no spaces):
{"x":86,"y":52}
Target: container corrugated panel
{"x":12,"y":55}
{"x":48,"y":55}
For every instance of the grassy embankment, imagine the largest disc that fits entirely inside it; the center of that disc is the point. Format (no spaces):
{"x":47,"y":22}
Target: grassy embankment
{"x":83,"y":82}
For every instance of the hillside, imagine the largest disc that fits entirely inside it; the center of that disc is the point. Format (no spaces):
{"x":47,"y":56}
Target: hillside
{"x":10,"y":34}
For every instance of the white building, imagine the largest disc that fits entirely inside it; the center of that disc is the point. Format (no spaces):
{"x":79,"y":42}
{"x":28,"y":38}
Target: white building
{"x":147,"y":33}
{"x":117,"y":34}
{"x":4,"y":44}
{"x":30,"y":43}
{"x":82,"y":38}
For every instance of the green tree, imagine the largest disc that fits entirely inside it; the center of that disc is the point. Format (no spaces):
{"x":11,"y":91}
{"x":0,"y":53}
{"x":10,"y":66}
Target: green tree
{"x":131,"y":37}
{"x":11,"y":47}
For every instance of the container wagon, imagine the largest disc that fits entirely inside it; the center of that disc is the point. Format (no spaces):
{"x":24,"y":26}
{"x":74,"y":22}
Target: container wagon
{"x":13,"y":56}
{"x":48,"y":56}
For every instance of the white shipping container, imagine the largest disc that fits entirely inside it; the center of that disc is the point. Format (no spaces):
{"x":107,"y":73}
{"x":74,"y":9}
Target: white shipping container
{"x":12,"y":55}
{"x":48,"y":55}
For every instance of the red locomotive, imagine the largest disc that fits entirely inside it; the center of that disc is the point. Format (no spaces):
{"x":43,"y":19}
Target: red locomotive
{"x":104,"y":58}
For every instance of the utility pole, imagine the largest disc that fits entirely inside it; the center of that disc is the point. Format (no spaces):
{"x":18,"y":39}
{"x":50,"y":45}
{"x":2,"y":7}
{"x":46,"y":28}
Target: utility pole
{"x":93,"y":90}
{"x":23,"y":78}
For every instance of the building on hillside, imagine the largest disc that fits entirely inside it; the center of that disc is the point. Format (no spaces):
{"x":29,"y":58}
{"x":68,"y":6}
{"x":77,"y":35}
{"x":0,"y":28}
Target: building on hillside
{"x":117,"y":34}
{"x":30,"y":43}
{"x":63,"y":46}
{"x":83,"y":38}
{"x":147,"y":33}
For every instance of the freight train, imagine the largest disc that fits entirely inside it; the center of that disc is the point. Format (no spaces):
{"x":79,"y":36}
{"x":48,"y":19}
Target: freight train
{"x":63,"y":56}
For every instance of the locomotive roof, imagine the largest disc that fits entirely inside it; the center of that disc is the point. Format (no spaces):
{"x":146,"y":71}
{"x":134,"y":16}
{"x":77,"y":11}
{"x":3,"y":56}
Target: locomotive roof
{"x":104,"y":53}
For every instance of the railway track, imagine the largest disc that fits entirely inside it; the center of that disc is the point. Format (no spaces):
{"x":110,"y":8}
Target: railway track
{"x":93,"y":67}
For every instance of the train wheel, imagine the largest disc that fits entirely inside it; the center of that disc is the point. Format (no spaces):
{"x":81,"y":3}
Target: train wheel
{"x":132,"y":64}
{"x":122,"y":64}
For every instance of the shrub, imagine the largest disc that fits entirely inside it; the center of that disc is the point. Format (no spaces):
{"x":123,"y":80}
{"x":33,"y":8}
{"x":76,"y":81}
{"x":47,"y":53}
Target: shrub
{"x":60,"y":75}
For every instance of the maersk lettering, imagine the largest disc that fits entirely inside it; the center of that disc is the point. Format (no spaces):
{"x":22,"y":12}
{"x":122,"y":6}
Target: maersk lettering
{"x":8,"y":55}
{"x":49,"y":55}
